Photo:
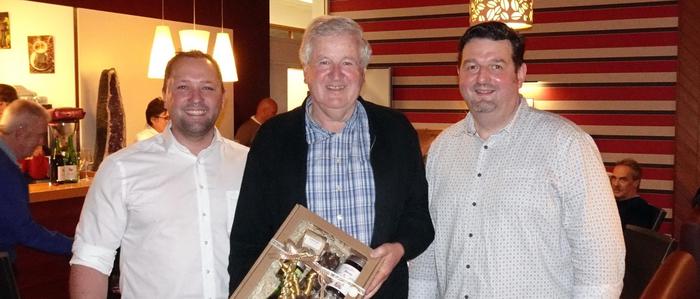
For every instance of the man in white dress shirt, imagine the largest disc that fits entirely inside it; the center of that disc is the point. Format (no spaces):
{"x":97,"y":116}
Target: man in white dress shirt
{"x":519,"y":197}
{"x":168,"y":201}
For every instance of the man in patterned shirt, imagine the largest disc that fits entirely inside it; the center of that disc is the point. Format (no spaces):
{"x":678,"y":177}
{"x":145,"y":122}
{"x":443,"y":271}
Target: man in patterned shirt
{"x":519,"y":197}
{"x":356,"y":164}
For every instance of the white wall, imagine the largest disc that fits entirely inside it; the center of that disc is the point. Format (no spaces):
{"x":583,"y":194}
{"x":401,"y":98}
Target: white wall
{"x":290,"y":13}
{"x":29,"y":18}
{"x":122,"y":41}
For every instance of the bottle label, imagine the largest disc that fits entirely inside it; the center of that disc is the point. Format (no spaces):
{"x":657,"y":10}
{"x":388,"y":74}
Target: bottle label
{"x":60,"y":174}
{"x":70,"y":173}
{"x":347,"y":271}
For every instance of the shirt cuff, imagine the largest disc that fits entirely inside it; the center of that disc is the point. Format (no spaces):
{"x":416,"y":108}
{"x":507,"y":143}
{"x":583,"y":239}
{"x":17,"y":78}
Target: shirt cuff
{"x":98,"y":258}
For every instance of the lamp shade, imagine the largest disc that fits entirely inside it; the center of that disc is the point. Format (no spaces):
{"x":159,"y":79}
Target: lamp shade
{"x":161,"y":52}
{"x":193,"y":39}
{"x":517,"y":14}
{"x":223,"y":54}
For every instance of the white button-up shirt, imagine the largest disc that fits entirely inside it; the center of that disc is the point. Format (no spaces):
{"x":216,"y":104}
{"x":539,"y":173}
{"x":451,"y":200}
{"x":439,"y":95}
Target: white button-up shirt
{"x":170,"y":212}
{"x":527,"y":213}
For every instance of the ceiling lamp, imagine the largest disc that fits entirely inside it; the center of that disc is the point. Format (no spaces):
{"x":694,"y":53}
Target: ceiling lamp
{"x":517,"y":14}
{"x":223,"y":53}
{"x":193,"y":39}
{"x":162,"y":49}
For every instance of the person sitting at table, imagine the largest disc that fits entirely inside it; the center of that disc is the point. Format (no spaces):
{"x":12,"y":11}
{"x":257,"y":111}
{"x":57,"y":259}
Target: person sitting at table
{"x":22,"y":129}
{"x":633,"y":209}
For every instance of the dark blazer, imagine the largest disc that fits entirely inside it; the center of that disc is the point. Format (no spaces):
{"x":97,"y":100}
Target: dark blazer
{"x":275,"y":180}
{"x":16,"y":223}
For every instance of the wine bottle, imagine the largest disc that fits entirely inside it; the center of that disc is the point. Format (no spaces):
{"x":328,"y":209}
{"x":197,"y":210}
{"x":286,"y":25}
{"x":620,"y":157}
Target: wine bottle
{"x":56,"y":163}
{"x":70,"y":167}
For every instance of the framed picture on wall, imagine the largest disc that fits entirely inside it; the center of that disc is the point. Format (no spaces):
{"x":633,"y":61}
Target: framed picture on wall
{"x":41,"y":56}
{"x":5,"y":42}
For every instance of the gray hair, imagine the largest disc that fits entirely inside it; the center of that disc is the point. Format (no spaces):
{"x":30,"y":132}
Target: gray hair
{"x":330,"y":26}
{"x":19,"y":114}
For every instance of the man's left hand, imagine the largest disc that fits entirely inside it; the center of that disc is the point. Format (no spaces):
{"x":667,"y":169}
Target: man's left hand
{"x":391,"y":254}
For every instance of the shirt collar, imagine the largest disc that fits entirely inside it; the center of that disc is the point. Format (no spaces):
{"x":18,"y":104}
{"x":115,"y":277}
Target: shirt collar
{"x":6,"y":149}
{"x":316,"y":133}
{"x":255,"y":120}
{"x":470,"y":127}
{"x":171,"y":143}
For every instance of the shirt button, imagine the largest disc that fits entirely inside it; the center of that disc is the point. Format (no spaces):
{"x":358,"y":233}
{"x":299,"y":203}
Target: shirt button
{"x":208,"y":271}
{"x":466,"y":296}
{"x":201,"y":187}
{"x":478,"y":174}
{"x":486,"y":147}
{"x":206,"y":242}
{"x":474,"y":204}
{"x":338,"y":188}
{"x":204,"y":214}
{"x":468,"y":266}
{"x":471,"y":235}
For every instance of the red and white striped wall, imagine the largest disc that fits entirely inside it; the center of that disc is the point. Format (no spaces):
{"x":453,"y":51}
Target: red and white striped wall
{"x":608,"y":65}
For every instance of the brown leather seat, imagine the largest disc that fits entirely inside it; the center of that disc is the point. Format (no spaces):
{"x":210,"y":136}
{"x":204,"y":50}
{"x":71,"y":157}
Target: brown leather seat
{"x":8,"y":285}
{"x":675,"y":279}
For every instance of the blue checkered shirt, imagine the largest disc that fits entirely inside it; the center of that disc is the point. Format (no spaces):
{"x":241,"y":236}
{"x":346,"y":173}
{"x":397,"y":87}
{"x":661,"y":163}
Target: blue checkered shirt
{"x":339,"y":178}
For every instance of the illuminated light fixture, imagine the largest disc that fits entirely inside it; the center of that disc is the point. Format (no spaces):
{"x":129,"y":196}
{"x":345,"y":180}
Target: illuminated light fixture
{"x":517,"y":14}
{"x":193,"y":39}
{"x":162,"y":49}
{"x":223,"y":53}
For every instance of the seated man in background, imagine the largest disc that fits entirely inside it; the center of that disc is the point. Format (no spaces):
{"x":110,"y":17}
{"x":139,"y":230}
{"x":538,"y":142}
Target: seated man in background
{"x":267,"y":108}
{"x":22,"y":129}
{"x":7,"y":95}
{"x":634,"y":210}
{"x":156,"y":119}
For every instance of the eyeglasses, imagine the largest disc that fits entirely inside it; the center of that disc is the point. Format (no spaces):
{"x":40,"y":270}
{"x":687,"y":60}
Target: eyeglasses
{"x":167,"y":117}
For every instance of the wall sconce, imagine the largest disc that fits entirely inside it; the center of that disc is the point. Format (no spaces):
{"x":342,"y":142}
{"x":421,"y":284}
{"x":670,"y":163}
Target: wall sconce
{"x":193,"y":39}
{"x":517,"y":14}
{"x":162,"y":49}
{"x":223,"y":53}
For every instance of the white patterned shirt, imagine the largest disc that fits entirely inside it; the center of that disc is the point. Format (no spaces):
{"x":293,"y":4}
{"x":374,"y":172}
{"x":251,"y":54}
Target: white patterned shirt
{"x":527,"y":213}
{"x":170,"y":211}
{"x":339,"y":177}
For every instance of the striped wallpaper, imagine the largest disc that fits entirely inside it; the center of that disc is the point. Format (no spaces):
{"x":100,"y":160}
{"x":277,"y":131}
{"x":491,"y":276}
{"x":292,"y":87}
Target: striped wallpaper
{"x":608,"y":65}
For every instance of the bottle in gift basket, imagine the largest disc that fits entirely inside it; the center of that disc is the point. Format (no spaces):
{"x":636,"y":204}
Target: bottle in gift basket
{"x":350,"y":269}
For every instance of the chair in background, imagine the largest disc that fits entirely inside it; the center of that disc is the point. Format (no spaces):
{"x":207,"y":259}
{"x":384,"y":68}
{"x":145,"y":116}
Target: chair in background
{"x":8,"y":285}
{"x":689,"y":240}
{"x":646,"y":250}
{"x":675,"y":279}
{"x":659,"y":219}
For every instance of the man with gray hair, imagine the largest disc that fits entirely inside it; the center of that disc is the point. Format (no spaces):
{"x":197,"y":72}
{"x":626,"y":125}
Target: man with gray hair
{"x":22,"y":128}
{"x":356,"y":164}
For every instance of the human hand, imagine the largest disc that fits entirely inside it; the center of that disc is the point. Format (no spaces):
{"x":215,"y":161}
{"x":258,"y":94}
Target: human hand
{"x":390,"y":255}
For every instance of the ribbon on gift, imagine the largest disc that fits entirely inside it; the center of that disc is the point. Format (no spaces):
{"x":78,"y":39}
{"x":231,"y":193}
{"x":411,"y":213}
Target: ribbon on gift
{"x":289,"y":251}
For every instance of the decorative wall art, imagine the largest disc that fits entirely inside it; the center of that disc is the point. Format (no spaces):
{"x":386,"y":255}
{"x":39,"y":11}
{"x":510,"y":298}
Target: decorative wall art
{"x":41,"y":56}
{"x":5,"y":42}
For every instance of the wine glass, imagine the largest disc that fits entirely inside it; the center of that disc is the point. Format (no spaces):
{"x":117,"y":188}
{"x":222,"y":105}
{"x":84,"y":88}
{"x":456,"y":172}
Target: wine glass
{"x":86,"y":161}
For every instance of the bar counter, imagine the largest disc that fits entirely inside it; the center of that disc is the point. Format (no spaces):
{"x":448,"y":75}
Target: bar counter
{"x":40,"y":192}
{"x":57,"y":207}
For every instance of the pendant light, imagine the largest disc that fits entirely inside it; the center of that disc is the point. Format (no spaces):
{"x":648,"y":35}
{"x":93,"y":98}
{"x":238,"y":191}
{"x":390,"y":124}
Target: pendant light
{"x":193,"y":39}
{"x":517,"y":14}
{"x":223,"y":53}
{"x":162,"y":49}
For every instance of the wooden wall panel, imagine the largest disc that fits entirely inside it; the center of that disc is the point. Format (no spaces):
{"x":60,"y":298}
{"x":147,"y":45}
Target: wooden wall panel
{"x":608,"y":65}
{"x":687,"y":171}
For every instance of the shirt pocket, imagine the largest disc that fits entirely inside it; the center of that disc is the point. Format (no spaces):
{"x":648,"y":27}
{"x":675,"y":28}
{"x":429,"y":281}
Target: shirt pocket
{"x":231,"y":202}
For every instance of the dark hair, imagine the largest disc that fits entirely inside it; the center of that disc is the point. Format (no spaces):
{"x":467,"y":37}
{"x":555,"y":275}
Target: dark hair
{"x":495,"y":31}
{"x":633,"y":165}
{"x":154,"y":109}
{"x":190,"y":54}
{"x":7,"y":93}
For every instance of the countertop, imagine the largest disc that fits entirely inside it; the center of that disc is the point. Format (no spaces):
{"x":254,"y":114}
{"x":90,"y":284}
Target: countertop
{"x":39,"y":192}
